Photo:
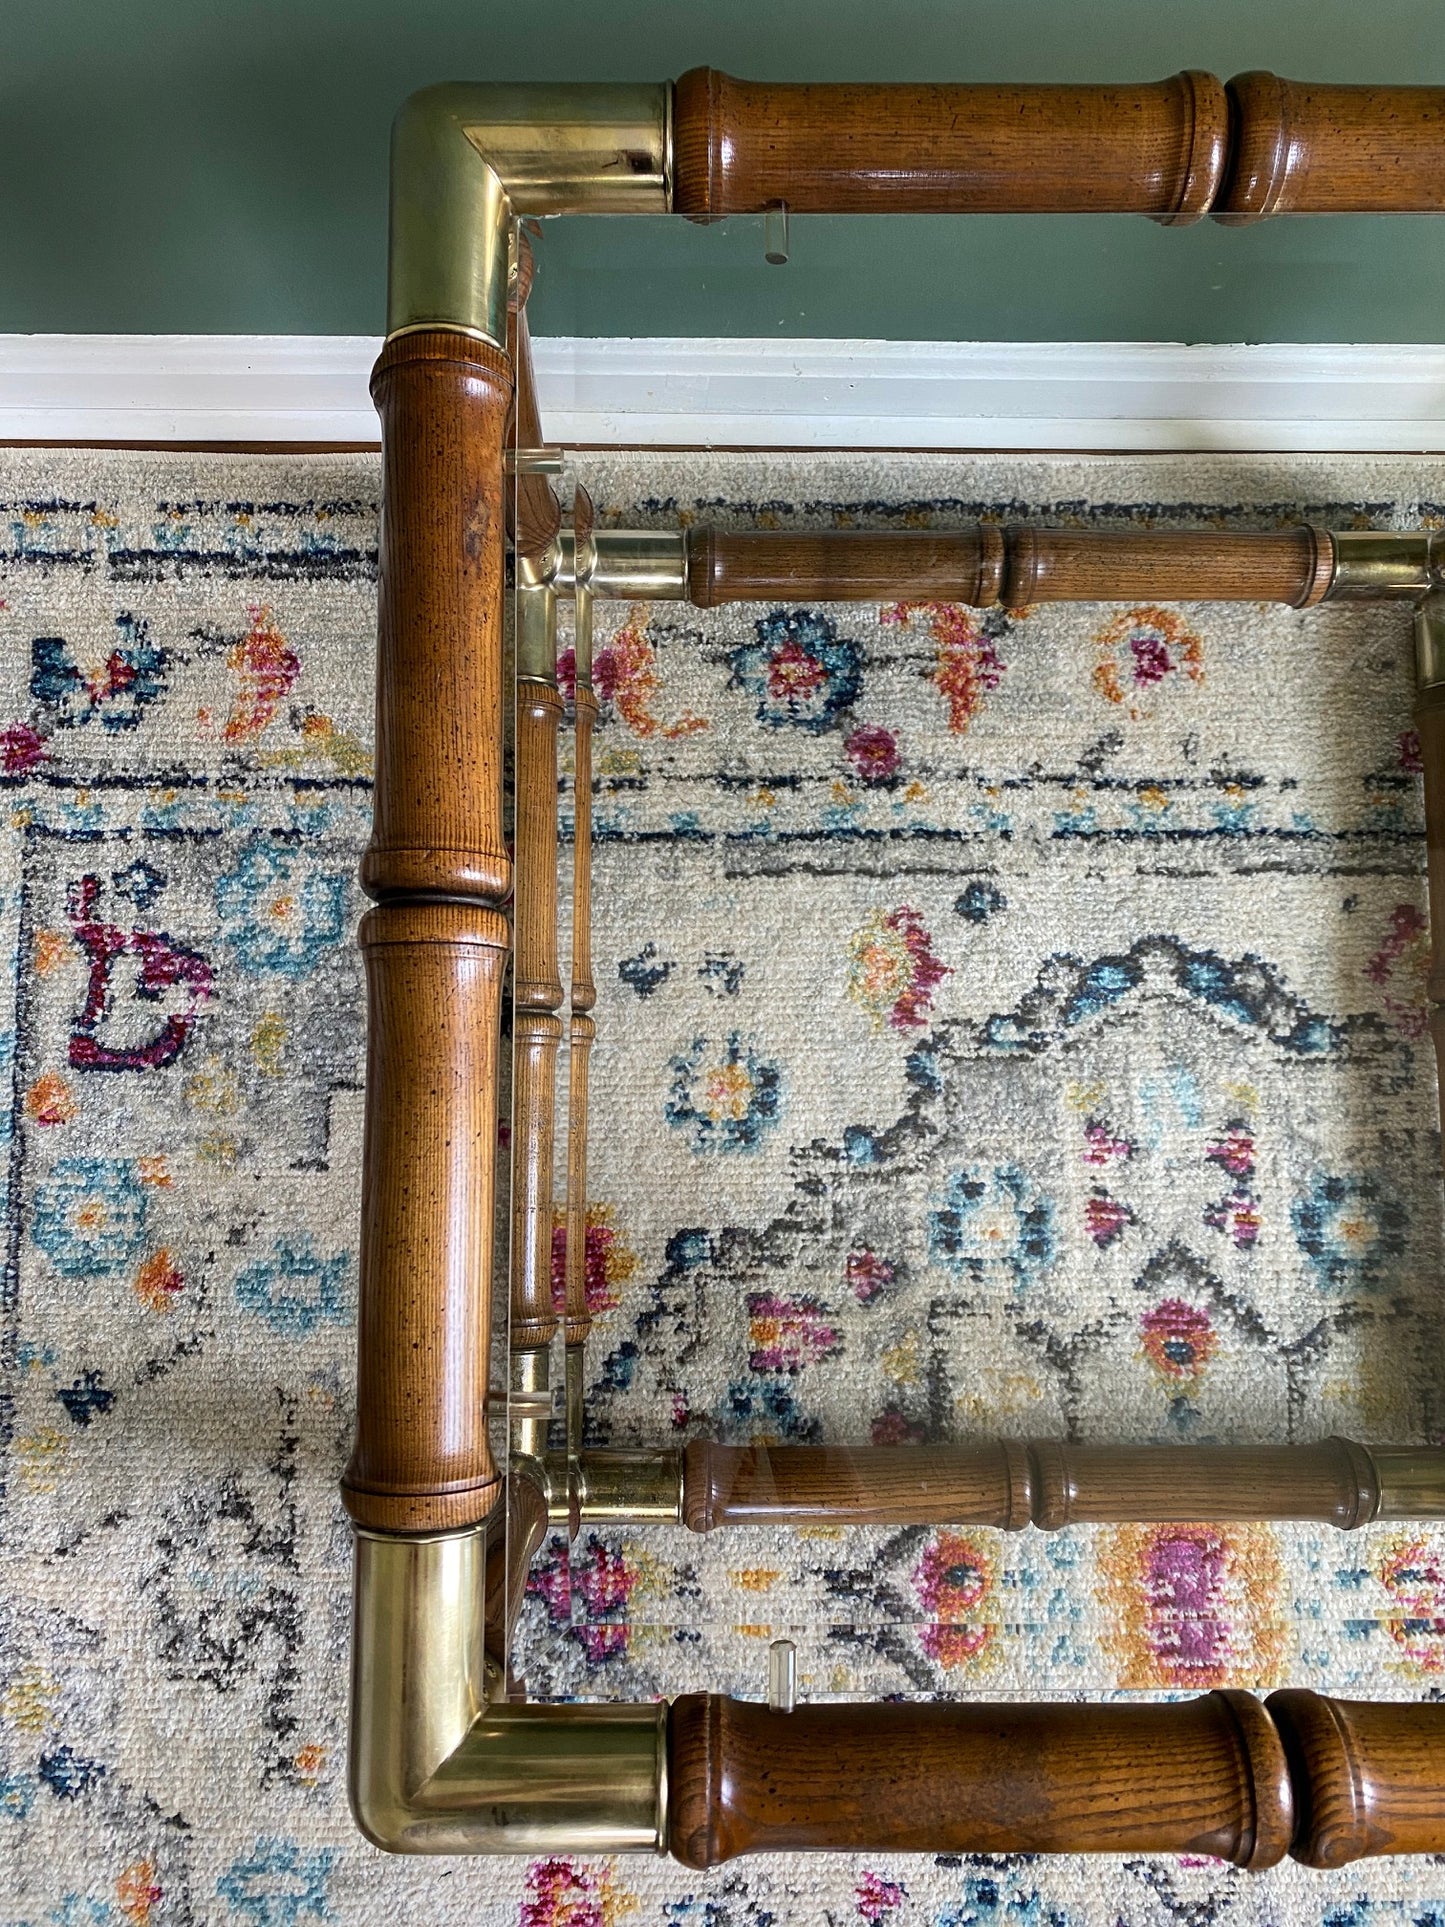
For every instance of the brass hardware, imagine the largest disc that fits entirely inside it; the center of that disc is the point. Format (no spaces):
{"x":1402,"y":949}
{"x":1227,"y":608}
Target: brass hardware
{"x":530,"y":1408}
{"x":631,"y":565}
{"x":782,"y":1676}
{"x":536,"y":622}
{"x":466,"y":159}
{"x":436,"y":1768}
{"x":620,"y":1487}
{"x":1430,"y":642}
{"x":1412,"y":1483}
{"x":1371,"y":563}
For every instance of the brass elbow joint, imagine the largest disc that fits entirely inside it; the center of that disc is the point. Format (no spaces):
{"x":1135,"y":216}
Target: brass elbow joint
{"x":468,"y":158}
{"x":438,"y":1765}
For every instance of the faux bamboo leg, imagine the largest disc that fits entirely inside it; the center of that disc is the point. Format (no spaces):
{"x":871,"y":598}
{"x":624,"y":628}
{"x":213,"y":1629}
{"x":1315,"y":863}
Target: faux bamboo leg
{"x":536,"y":1001}
{"x":435,"y":945}
{"x":1051,"y":1483}
{"x":1330,"y":1780}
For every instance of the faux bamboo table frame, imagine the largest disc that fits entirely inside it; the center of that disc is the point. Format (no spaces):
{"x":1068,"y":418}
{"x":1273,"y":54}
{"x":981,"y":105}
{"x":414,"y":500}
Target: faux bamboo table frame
{"x":441,"y":1760}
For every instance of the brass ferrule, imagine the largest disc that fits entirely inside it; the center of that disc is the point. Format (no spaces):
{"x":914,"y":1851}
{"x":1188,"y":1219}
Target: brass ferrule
{"x":629,"y":565}
{"x":1430,"y":642}
{"x":619,"y":1487}
{"x":531,"y":1416}
{"x":467,"y":159}
{"x":1412,"y":1481}
{"x":536,"y":623}
{"x":436,"y":1767}
{"x":1375,"y":563}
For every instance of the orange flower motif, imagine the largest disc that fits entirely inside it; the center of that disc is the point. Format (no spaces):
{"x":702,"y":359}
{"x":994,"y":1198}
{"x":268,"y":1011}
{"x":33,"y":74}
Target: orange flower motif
{"x":137,"y":1890}
{"x":159,"y":1281}
{"x":266,"y":668}
{"x":49,"y":1100}
{"x":1138,"y":649}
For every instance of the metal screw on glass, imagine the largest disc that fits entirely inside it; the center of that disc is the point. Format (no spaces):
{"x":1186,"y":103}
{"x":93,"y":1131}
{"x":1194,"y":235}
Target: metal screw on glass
{"x":782,"y":1676}
{"x":775,"y":233}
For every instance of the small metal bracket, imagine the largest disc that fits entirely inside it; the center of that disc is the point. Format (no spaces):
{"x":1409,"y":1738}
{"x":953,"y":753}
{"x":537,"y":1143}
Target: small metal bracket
{"x":782,"y":1676}
{"x":775,"y":234}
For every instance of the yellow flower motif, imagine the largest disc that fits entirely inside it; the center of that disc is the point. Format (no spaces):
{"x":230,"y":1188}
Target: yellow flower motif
{"x":26,"y":1703}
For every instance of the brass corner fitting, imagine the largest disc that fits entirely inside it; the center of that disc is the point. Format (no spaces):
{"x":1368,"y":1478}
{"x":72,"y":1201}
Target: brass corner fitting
{"x":439,"y":1765}
{"x":1373,"y":564}
{"x":468,"y":159}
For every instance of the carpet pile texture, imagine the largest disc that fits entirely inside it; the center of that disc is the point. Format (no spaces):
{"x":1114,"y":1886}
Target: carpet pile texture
{"x":1007,"y":1025}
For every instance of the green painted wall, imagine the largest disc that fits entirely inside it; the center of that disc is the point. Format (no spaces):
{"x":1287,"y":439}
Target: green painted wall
{"x":220,"y":165}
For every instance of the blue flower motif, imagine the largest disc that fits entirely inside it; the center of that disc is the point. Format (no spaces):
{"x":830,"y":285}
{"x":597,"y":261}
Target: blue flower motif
{"x":726,"y":1100}
{"x":993,"y":1221}
{"x":17,"y":1795}
{"x":277,"y":923}
{"x":277,"y":1884}
{"x":800,"y":670}
{"x":67,"y":1774}
{"x":1349,"y":1228}
{"x":89,"y":1217}
{"x":294,"y":1290}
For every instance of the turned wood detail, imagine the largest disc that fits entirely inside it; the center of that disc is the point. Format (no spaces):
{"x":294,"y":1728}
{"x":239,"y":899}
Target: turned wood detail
{"x":1013,"y":1483}
{"x":989,"y":564}
{"x":537,"y":1027}
{"x":1329,"y":1781}
{"x":534,"y":513}
{"x":437,"y":810}
{"x":1175,"y":149}
{"x":421,"y":1460}
{"x":1204,"y":1776}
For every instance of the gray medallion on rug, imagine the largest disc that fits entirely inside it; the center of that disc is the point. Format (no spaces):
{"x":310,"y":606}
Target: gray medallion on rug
{"x":1007,"y":1025}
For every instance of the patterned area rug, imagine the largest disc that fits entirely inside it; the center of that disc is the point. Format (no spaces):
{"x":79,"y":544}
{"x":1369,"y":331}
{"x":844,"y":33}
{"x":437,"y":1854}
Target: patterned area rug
{"x":1006,"y":1025}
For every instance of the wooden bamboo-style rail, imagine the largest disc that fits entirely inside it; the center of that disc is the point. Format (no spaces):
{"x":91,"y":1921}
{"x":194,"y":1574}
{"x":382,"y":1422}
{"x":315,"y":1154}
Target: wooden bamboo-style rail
{"x":1052,"y":1483}
{"x":1014,"y":566}
{"x":1327,"y":1780}
{"x":435,"y":946}
{"x":1173,"y":149}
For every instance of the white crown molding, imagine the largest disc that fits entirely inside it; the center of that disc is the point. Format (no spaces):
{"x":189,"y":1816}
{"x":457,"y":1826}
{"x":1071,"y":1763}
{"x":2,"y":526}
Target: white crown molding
{"x":732,"y":392}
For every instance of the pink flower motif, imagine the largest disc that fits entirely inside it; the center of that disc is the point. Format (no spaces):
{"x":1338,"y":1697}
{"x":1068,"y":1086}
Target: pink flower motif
{"x":873,"y":752}
{"x":1409,"y":747}
{"x":892,"y":1427}
{"x":561,"y":1893}
{"x":1238,"y":1216}
{"x":867,"y":1274}
{"x":878,"y":1897}
{"x":786,"y":1334}
{"x":1100,"y":1144}
{"x":1234,"y":1150}
{"x":1401,"y":967}
{"x":893,"y":969}
{"x":1106,"y":1219}
{"x":793,"y":673}
{"x":952,"y":1579}
{"x":21,"y":749}
{"x":1178,"y":1340}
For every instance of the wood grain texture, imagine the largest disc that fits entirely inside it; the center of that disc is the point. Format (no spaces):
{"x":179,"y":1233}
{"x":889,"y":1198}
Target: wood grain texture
{"x":534,"y":513}
{"x":421,"y":1460}
{"x":1013,"y":566}
{"x":1154,"y":149}
{"x":1013,"y":1483}
{"x":1174,"y":149}
{"x":1301,"y":148}
{"x":1369,"y":1776}
{"x":1203,"y":1776}
{"x":437,"y":810}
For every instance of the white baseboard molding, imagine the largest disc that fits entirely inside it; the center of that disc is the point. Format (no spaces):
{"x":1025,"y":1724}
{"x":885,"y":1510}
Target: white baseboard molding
{"x":730,"y":392}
